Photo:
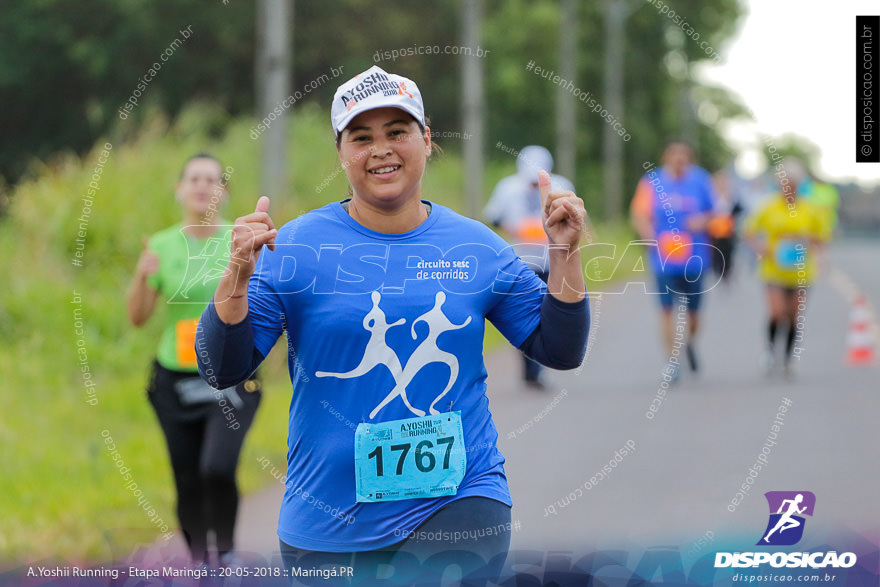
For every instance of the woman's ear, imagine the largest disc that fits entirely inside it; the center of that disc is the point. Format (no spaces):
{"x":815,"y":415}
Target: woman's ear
{"x":427,"y":141}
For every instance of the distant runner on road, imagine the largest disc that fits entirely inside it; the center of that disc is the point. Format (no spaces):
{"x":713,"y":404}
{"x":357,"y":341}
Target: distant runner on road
{"x":672,"y":206}
{"x":722,"y":227}
{"x":515,"y":208}
{"x":786,"y":233}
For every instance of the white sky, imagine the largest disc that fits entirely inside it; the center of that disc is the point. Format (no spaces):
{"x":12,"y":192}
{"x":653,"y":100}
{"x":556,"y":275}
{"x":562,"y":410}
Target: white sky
{"x":793,"y":64}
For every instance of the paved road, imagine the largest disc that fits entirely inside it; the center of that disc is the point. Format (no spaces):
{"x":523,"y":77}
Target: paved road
{"x":690,"y":460}
{"x":693,"y":456}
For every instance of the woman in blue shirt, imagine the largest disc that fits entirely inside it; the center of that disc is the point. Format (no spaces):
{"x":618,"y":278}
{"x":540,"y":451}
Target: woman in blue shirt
{"x":383,"y":297}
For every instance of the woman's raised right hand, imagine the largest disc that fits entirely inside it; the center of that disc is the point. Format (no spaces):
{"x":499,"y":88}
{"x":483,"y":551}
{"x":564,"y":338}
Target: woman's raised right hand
{"x":249,"y":234}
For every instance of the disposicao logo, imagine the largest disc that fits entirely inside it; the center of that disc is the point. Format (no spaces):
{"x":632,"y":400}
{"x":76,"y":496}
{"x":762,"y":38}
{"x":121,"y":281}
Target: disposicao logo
{"x":786,"y":524}
{"x":785,"y":528}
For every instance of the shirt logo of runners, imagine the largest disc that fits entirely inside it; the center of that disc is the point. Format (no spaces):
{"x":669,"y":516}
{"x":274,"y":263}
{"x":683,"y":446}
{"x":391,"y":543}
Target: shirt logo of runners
{"x":377,"y":352}
{"x":786,"y":524}
{"x":208,"y":265}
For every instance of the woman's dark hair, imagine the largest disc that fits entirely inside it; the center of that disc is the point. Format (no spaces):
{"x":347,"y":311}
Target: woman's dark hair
{"x":679,"y":141}
{"x":199,"y":155}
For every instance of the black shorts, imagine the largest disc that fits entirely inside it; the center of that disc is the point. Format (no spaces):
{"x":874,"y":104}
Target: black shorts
{"x":162,"y":393}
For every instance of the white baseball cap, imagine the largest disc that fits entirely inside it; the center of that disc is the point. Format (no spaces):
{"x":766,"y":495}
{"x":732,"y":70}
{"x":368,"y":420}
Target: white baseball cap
{"x":532,"y":159}
{"x":375,"y":88}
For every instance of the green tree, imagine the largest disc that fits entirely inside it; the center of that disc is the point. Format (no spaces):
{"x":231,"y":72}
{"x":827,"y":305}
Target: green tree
{"x":66,"y":69}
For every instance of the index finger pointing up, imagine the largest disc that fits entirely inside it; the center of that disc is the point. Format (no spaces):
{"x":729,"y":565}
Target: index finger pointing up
{"x":544,"y":189}
{"x":262,"y":204}
{"x":263,"y":208}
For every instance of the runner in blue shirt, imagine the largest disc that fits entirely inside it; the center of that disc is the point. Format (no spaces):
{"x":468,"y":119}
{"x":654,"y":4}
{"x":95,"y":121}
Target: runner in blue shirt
{"x":672,"y":207}
{"x":383,"y":296}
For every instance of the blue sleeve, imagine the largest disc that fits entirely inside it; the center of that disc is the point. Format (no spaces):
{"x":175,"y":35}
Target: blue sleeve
{"x":519,"y":291}
{"x":550,"y":331}
{"x":225,"y":353}
{"x":265,"y":309}
{"x":228,"y":354}
{"x":560,"y":340}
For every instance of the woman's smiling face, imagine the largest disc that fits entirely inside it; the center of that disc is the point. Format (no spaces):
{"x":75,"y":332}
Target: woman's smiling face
{"x":383,"y":152}
{"x":200,"y":185}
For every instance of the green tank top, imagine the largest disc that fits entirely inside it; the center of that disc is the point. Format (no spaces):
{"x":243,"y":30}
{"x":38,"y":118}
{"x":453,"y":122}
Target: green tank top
{"x":188,"y":274}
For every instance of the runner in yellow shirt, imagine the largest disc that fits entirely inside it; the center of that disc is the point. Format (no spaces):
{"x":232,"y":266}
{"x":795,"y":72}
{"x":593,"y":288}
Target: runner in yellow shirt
{"x":786,"y":233}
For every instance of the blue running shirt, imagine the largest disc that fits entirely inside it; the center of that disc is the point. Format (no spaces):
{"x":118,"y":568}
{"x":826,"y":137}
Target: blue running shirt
{"x":383,"y":327}
{"x":672,"y":201}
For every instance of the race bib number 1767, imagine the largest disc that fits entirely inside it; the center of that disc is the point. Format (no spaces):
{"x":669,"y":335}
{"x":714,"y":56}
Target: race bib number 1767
{"x":410,"y":458}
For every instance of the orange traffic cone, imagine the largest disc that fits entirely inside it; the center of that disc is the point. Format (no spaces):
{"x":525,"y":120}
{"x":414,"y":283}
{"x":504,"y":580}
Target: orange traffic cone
{"x":860,"y":341}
